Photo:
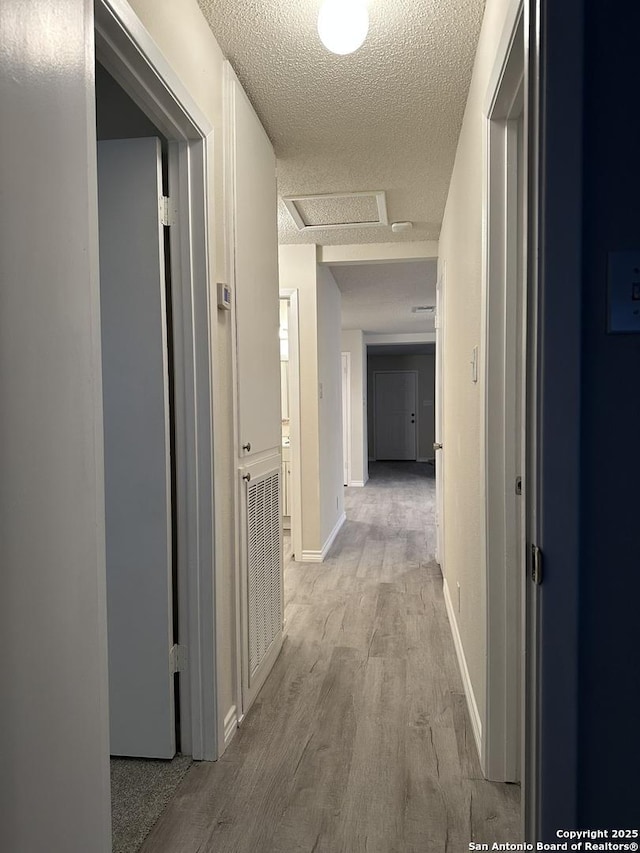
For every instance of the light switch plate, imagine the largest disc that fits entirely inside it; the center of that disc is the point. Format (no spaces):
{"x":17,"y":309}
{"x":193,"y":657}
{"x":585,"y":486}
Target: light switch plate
{"x":624,"y":293}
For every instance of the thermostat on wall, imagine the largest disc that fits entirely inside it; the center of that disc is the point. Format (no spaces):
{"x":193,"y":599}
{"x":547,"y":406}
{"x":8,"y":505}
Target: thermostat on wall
{"x":224,"y":296}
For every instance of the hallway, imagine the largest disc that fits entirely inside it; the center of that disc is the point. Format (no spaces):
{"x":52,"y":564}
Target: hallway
{"x":360,"y":739}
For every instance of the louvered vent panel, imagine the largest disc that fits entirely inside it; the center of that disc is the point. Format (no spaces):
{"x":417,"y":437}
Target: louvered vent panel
{"x":264,"y":575}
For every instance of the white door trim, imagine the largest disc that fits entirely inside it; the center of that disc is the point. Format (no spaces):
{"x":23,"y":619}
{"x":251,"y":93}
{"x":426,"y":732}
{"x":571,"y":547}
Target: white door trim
{"x":556,"y":137}
{"x":439,"y":430}
{"x":346,"y":414}
{"x":132,"y":57}
{"x":503,"y":447}
{"x":129,"y":53}
{"x":230,"y":257}
{"x":294,"y":420}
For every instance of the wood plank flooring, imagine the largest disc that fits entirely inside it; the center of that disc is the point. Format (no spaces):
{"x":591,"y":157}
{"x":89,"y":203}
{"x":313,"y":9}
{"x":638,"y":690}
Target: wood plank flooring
{"x":360,"y":740}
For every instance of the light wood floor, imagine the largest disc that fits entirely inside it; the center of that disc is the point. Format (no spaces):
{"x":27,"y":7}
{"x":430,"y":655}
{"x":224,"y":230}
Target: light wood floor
{"x":360,"y":740}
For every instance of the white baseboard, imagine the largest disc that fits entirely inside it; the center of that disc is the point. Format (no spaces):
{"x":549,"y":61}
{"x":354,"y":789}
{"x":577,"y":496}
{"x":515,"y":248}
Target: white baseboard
{"x":476,"y":722}
{"x":230,"y":725}
{"x":318,"y":556}
{"x":359,"y":484}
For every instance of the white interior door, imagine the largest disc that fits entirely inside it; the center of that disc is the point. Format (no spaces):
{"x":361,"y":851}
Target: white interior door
{"x":137,"y":448}
{"x":395,"y":414}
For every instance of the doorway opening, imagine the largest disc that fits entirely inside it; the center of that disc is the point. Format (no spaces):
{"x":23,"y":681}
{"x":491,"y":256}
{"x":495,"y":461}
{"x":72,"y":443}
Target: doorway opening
{"x":401,"y":398}
{"x":291,"y":421}
{"x":346,"y":418}
{"x":401,"y":391}
{"x":152,"y":143}
{"x":139,"y":425}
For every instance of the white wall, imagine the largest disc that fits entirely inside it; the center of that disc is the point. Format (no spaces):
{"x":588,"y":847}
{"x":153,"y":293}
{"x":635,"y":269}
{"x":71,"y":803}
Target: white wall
{"x":54,"y":784}
{"x":320,"y":420}
{"x":353,"y":343}
{"x":330,"y":407}
{"x":425,"y":366}
{"x":58,"y":384}
{"x":461,"y":249}
{"x":55,"y":744}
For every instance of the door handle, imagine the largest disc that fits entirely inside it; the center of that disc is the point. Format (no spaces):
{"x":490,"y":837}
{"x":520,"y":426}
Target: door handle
{"x":437,"y":445}
{"x":247,"y":477}
{"x":247,"y":446}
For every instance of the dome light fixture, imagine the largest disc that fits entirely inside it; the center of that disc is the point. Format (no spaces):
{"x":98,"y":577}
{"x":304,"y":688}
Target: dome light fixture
{"x":343,"y":25}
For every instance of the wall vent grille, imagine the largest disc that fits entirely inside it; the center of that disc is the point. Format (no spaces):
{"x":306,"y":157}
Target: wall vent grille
{"x":263,"y":565}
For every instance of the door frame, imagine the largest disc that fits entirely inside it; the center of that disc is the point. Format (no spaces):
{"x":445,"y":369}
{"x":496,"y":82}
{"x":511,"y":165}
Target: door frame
{"x":345,"y":358}
{"x":127,"y":51}
{"x":294,"y":419}
{"x":439,"y":424}
{"x":555,"y":43}
{"x":415,"y":379}
{"x":503,"y":346}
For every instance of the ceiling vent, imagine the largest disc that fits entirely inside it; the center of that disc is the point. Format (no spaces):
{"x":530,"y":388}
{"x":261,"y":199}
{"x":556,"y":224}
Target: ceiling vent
{"x":338,"y":210}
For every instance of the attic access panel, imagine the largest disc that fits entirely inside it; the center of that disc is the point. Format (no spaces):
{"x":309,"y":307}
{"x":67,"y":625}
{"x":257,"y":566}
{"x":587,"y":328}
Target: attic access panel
{"x":338,"y":210}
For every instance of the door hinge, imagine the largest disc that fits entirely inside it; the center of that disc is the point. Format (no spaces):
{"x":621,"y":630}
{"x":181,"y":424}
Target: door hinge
{"x":167,"y":211}
{"x":177,"y":659}
{"x":536,"y":565}
{"x":518,"y":485}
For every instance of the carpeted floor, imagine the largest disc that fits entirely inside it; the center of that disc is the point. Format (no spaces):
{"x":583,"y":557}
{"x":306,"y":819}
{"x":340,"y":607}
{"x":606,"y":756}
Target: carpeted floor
{"x":140,"y":789}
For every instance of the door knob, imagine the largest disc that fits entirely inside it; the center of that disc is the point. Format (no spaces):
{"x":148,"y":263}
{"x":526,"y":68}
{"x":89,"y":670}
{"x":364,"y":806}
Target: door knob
{"x":246,"y":477}
{"x":437,"y":445}
{"x":247,"y":446}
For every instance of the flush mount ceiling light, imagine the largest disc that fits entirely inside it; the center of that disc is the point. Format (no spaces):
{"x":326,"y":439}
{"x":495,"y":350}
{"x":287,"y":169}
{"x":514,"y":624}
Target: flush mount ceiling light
{"x":343,"y":25}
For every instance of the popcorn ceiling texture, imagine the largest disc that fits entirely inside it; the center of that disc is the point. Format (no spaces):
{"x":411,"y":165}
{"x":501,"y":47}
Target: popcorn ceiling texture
{"x":384,"y":118}
{"x":378,"y":298}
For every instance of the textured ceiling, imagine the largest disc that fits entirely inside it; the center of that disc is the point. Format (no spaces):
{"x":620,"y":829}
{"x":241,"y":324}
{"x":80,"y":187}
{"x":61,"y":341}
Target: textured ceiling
{"x":386,"y":117}
{"x":378,"y":298}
